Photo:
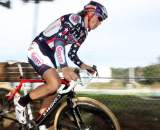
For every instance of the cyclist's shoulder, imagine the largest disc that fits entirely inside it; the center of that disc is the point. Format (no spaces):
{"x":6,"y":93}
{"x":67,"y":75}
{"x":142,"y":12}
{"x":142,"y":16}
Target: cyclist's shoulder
{"x":73,"y":18}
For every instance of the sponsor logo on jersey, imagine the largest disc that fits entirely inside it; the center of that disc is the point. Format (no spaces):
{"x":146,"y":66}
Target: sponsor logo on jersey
{"x":36,"y":59}
{"x":74,"y":19}
{"x":60,"y":54}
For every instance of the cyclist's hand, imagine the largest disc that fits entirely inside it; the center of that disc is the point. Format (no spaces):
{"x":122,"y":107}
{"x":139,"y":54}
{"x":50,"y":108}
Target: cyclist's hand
{"x":69,"y":74}
{"x":88,"y":68}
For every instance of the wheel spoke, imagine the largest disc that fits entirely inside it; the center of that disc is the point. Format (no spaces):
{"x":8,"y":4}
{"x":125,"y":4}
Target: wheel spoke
{"x":91,"y":116}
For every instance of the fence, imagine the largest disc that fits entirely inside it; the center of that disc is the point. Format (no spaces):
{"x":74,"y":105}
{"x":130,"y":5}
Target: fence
{"x":10,"y":71}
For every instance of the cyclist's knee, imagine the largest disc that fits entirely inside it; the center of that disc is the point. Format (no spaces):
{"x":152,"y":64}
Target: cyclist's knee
{"x":53,"y":86}
{"x":52,"y":80}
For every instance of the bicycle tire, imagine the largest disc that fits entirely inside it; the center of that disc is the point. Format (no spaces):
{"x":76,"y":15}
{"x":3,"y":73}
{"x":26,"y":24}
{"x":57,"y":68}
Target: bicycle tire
{"x":96,"y":115}
{"x":7,"y":118}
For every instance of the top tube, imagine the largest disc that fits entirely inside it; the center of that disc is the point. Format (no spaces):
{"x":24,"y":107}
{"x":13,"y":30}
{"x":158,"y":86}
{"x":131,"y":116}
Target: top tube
{"x":22,"y":81}
{"x":63,"y":81}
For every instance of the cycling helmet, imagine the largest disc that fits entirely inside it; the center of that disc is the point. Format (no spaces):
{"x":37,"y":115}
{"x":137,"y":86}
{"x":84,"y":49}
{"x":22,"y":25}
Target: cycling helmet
{"x":99,"y":9}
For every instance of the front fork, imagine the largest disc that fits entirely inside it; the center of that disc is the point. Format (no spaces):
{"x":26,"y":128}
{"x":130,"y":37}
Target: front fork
{"x":75,"y":113}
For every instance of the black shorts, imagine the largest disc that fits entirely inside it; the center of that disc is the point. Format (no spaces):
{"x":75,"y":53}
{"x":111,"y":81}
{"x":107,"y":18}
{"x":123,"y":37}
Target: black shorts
{"x":41,"y":57}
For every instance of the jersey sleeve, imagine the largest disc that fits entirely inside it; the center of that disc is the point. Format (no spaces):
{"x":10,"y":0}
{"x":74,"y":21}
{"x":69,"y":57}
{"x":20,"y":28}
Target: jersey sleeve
{"x":72,"y":54}
{"x":60,"y":53}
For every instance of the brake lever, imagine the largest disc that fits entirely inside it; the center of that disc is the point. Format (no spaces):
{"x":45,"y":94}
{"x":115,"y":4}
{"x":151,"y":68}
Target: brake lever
{"x":77,"y":71}
{"x":94,"y":67}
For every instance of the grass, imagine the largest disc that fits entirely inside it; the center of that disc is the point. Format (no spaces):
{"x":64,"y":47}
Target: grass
{"x":115,"y":84}
{"x":121,"y":84}
{"x":133,"y":112}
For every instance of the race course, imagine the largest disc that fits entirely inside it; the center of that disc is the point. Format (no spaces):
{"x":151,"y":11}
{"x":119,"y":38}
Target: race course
{"x":134,"y":111}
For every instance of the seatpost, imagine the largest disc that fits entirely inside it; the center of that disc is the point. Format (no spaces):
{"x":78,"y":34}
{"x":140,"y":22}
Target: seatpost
{"x":20,"y":69}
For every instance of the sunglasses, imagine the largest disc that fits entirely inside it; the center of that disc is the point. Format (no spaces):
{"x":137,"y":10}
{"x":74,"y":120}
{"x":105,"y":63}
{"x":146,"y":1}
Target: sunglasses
{"x":99,"y":17}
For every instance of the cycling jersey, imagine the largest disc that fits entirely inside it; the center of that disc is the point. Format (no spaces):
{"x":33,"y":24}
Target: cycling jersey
{"x":68,"y":29}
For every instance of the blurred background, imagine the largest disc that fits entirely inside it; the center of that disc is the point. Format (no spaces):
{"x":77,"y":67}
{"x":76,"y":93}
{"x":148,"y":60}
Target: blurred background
{"x":126,"y":45}
{"x":125,"y":49}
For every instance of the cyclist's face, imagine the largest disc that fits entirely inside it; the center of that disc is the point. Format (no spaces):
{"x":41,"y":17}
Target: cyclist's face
{"x":94,"y":22}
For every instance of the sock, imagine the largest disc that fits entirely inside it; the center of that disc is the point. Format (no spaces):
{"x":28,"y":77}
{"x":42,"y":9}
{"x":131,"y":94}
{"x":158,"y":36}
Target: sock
{"x":25,"y":100}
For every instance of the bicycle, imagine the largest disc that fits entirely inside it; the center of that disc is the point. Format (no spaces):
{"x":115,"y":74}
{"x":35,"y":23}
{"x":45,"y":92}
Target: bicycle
{"x":69,"y":112}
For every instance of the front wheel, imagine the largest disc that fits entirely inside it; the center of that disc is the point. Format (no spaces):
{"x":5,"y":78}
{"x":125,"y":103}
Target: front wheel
{"x":95,"y":116}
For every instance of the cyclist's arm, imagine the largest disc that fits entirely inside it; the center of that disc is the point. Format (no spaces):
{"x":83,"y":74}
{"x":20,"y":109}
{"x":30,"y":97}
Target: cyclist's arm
{"x":72,"y":54}
{"x":60,"y":53}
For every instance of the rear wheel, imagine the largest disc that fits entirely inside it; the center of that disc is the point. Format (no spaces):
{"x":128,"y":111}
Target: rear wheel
{"x":95,"y":116}
{"x":5,"y":105}
{"x":7,"y":116}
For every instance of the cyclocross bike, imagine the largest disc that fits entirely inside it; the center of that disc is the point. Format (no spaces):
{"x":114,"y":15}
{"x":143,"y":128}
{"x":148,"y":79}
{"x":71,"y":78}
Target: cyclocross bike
{"x":68,"y":111}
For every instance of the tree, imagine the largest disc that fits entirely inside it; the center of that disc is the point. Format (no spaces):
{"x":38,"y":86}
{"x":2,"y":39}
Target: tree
{"x":152,"y":73}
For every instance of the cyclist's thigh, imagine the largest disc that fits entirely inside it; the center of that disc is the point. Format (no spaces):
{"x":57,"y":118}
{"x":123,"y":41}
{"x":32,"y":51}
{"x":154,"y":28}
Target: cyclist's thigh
{"x":51,"y":77}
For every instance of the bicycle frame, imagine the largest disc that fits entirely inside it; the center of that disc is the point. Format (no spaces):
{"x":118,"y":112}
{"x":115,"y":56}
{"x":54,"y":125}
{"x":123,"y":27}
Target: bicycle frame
{"x":60,"y":94}
{"x":23,"y":81}
{"x":59,"y":106}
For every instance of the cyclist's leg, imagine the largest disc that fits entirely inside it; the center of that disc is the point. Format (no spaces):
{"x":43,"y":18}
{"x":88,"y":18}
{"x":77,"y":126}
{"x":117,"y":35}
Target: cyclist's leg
{"x":52,"y":84}
{"x":46,"y":103}
{"x":44,"y":66}
{"x":40,"y":59}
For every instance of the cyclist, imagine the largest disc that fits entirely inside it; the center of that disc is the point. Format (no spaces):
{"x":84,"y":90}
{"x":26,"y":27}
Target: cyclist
{"x":48,"y":49}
